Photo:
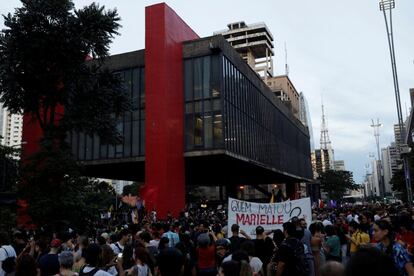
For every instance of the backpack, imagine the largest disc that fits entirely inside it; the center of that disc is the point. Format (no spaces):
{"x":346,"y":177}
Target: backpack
{"x":8,"y":265}
{"x":90,"y":273}
{"x":301,"y":262}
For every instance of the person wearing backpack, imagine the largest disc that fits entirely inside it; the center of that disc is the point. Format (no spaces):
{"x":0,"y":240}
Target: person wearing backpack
{"x":92,"y":257}
{"x":291,"y":257}
{"x":7,"y":255}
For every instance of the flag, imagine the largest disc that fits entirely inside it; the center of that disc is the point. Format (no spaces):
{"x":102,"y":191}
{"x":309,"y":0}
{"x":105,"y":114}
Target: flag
{"x":272,"y":199}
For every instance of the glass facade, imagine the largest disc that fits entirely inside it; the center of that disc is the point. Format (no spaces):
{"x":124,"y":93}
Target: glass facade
{"x":255,"y":128}
{"x":131,"y":126}
{"x":203,"y":118}
{"x":225,"y":110}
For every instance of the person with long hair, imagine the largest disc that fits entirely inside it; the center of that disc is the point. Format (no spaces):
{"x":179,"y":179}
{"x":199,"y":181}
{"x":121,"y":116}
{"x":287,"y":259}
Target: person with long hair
{"x":384,"y":235}
{"x":26,"y":266}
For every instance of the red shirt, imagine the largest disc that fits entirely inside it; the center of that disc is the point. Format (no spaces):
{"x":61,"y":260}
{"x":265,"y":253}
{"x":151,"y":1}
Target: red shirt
{"x":407,"y":238}
{"x":206,"y":257}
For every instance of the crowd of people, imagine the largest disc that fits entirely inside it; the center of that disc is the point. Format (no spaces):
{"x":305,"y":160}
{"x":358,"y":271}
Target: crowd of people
{"x":363,"y":240}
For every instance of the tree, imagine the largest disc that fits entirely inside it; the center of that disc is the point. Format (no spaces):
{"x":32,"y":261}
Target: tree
{"x":8,"y":178}
{"x":8,"y":168}
{"x":44,"y":73}
{"x":336,"y":183}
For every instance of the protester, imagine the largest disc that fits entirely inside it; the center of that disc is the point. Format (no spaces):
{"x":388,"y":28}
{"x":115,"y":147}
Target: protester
{"x":358,"y":237}
{"x":384,"y":235}
{"x":7,"y":255}
{"x":263,"y":246}
{"x":66,"y":263}
{"x":332,"y":245}
{"x":92,"y":256}
{"x":170,"y":262}
{"x":332,"y":268}
{"x":49,"y":263}
{"x":26,"y":266}
{"x":235,"y":239}
{"x":291,"y":254}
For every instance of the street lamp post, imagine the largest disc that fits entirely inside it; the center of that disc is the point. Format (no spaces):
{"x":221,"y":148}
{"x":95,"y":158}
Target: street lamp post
{"x":388,"y":5}
{"x":381,"y":184}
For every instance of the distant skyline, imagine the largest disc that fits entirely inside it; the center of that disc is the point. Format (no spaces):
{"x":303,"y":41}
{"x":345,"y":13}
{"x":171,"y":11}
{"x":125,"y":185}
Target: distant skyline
{"x":337,"y":49}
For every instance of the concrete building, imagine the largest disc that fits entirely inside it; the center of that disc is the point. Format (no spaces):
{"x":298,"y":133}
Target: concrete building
{"x":320,"y":159}
{"x":387,"y":167}
{"x":305,"y":118}
{"x":11,"y":128}
{"x":284,"y":89}
{"x":339,"y":165}
{"x":397,"y":134}
{"x":254,"y":43}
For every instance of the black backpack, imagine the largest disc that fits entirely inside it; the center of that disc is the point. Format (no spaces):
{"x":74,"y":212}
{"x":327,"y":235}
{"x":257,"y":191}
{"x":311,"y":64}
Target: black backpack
{"x":301,"y":262}
{"x":9,"y":264}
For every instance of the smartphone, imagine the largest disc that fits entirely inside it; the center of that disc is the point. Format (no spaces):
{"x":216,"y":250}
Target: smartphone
{"x":120,"y":255}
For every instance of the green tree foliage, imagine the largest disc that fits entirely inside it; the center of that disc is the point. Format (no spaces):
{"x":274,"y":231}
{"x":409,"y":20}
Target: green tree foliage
{"x":44,"y":49}
{"x":336,"y":183}
{"x":8,"y":178}
{"x":8,"y":168}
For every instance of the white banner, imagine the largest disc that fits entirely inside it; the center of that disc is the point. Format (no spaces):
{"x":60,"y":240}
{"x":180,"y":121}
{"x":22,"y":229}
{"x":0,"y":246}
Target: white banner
{"x":271,"y":216}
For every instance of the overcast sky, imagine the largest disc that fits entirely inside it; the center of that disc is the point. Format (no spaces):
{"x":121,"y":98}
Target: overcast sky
{"x":337,"y":49}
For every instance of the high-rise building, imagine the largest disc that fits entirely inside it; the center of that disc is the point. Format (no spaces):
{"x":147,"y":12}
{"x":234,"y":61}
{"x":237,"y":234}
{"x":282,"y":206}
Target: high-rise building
{"x":284,"y":89}
{"x":397,"y":134}
{"x":254,"y":43}
{"x":11,"y":128}
{"x":339,"y":165}
{"x":305,"y":118}
{"x":387,"y":169}
{"x":320,"y":162}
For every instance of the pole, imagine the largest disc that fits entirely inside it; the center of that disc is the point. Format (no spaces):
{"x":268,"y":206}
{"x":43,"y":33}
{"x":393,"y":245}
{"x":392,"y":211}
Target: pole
{"x":389,"y":5}
{"x":381,"y":184}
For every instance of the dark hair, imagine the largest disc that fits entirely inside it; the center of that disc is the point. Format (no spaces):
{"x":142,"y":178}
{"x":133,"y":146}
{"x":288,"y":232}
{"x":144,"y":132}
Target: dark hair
{"x":354,"y":225}
{"x":101,"y":240}
{"x":145,"y":236}
{"x":122,"y":233}
{"x":142,"y":255}
{"x":330,"y":230}
{"x":315,"y":227}
{"x":386,"y":225}
{"x":278,"y":237}
{"x":290,"y":228}
{"x":231,"y":268}
{"x":107,"y":255}
{"x":92,"y":254}
{"x":4,"y":238}
{"x":164,"y":241}
{"x":170,"y":262}
{"x":26,"y":266}
{"x":370,"y":261}
{"x":235,"y":228}
{"x":259,"y":230}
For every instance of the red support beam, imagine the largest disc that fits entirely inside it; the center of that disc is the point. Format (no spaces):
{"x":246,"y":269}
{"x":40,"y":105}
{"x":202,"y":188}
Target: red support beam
{"x":164,"y":187}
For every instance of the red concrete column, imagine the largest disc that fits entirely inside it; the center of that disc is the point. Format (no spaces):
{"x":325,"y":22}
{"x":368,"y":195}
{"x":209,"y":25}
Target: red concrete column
{"x":164,"y":187}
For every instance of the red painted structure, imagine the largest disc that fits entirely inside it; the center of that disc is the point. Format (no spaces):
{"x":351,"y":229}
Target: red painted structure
{"x":164,"y":187}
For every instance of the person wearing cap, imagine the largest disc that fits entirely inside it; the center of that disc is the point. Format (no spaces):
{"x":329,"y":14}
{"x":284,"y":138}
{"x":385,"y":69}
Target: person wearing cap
{"x":49,"y":263}
{"x":263,"y":246}
{"x":222,"y":250}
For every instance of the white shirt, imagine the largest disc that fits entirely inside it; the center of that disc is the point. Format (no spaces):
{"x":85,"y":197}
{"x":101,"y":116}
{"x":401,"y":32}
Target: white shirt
{"x":326,"y":222}
{"x":116,"y":249}
{"x":154,"y":243}
{"x":3,"y":255}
